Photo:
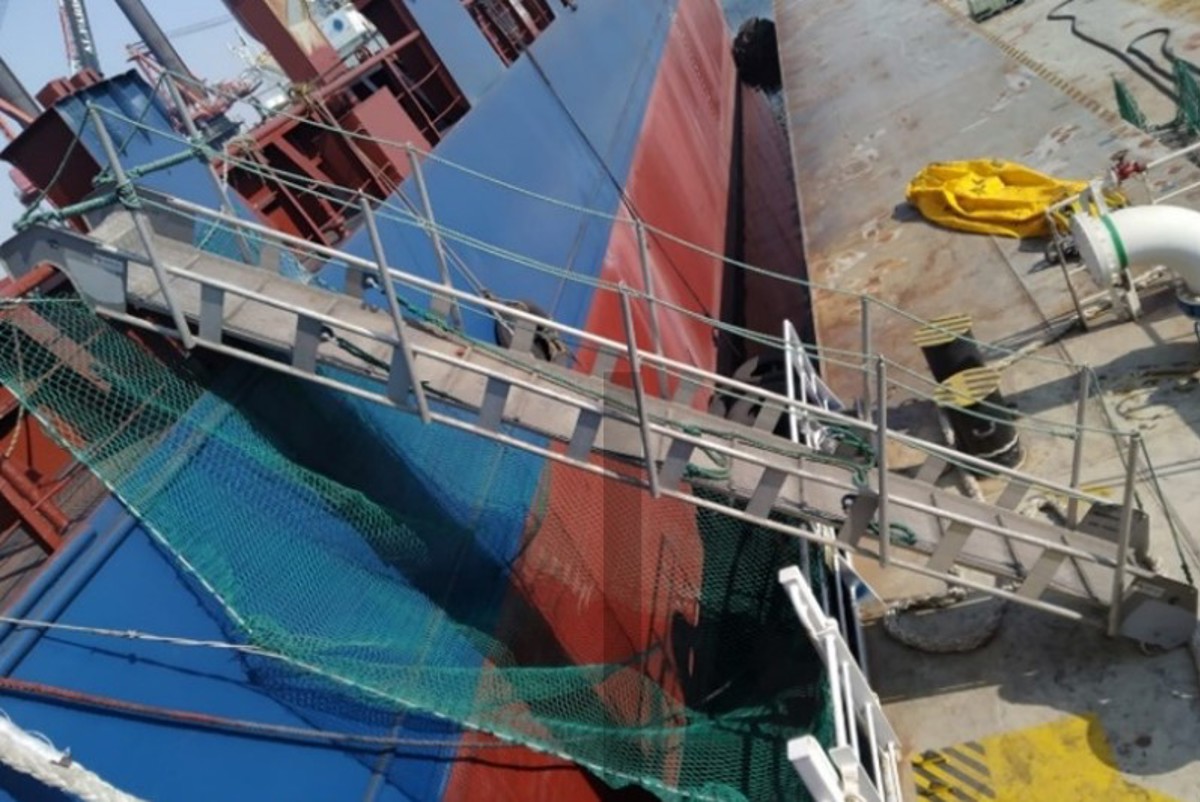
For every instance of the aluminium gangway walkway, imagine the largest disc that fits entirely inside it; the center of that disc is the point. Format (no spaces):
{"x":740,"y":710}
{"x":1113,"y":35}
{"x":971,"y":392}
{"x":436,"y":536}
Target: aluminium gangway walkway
{"x":141,"y":263}
{"x":256,"y":315}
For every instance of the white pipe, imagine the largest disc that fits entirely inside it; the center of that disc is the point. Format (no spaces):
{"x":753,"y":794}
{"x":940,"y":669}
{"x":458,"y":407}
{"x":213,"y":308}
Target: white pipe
{"x":1141,"y":235}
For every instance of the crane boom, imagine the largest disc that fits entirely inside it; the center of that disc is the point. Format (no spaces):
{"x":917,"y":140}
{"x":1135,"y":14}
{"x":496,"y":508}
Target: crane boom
{"x":81,"y":44}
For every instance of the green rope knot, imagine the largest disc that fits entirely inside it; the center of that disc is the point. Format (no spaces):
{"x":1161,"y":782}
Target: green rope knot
{"x":128,"y":196}
{"x":899,"y":534}
{"x":720,"y":473}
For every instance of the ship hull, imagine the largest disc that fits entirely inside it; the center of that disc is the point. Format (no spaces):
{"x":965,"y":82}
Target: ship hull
{"x":625,"y":111}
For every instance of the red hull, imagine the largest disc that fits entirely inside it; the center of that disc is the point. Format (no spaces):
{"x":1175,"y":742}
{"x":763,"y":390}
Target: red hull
{"x":609,"y":569}
{"x":679,"y":183}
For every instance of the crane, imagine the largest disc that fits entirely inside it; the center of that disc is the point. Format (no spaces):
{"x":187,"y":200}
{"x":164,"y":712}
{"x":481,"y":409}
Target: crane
{"x":77,"y":33}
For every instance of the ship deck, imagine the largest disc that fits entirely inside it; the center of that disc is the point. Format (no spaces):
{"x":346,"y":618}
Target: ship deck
{"x":1045,"y":710}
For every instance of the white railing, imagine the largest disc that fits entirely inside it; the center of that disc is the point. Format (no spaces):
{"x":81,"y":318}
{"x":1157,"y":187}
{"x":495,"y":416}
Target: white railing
{"x":1174,"y":192}
{"x":860,"y":726}
{"x":812,"y":390}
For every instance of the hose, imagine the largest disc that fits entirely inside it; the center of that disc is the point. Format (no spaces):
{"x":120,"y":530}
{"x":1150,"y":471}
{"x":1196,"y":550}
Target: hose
{"x":1165,"y":49}
{"x":1148,"y":75}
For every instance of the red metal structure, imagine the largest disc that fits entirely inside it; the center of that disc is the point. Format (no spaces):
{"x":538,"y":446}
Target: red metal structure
{"x":510,"y":25}
{"x":43,"y":490}
{"x":296,"y":43}
{"x":47,"y":143}
{"x":402,"y":93}
{"x":203,"y":105}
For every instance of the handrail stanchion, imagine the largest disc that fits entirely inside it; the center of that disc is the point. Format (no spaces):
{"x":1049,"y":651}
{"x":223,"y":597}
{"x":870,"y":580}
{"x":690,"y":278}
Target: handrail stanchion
{"x":865,"y":315}
{"x":389,"y":292}
{"x":447,"y":305}
{"x":1085,"y":386}
{"x":1123,"y":535}
{"x":651,"y":304}
{"x":885,"y":532}
{"x":1056,"y":241}
{"x":639,"y":391}
{"x":143,"y":228}
{"x":193,"y":133}
{"x":789,"y":352}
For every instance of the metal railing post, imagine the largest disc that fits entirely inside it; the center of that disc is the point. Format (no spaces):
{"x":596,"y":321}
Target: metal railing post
{"x":1123,"y":535}
{"x":1057,"y":242}
{"x":639,"y":391}
{"x":189,"y":126}
{"x":143,"y":229}
{"x":885,"y":531}
{"x":865,"y":315}
{"x":789,"y":351}
{"x":389,"y":292}
{"x":1085,"y":386}
{"x":442,"y":305}
{"x":876,"y":760}
{"x":651,"y":304}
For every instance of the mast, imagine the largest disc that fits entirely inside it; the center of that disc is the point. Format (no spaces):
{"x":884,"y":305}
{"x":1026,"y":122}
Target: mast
{"x":13,"y":92}
{"x":153,"y":36}
{"x":81,"y":44}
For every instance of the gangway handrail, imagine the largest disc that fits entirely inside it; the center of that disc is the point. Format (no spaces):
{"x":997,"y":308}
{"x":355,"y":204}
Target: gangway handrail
{"x":796,"y":471}
{"x":601,"y":343}
{"x":1155,"y":198}
{"x":757,"y":471}
{"x":762,"y":476}
{"x":306,"y":185}
{"x":1031,"y":423}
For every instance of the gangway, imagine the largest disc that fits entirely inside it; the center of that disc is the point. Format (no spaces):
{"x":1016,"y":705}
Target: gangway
{"x":140,"y":265}
{"x":143,"y":261}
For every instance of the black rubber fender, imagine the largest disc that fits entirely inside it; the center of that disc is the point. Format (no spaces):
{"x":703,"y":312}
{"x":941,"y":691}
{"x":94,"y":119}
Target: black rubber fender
{"x":767,"y":372}
{"x":546,"y":344}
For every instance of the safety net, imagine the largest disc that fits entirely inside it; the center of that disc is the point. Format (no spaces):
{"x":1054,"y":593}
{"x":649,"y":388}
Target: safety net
{"x":397,"y":566}
{"x":1187,"y":97}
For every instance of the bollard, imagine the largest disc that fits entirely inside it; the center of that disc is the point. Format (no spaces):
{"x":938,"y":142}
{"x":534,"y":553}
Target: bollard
{"x":948,"y":347}
{"x":981,"y":420}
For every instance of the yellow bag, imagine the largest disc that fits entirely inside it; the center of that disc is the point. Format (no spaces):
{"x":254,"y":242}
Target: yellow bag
{"x":986,"y":196}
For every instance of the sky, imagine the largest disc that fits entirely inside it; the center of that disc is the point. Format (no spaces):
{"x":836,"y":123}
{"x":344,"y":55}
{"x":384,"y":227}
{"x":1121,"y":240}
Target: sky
{"x":32,"y":44}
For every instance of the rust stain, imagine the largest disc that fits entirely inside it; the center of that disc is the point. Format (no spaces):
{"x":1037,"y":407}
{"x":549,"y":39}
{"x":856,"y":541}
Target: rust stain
{"x":1062,"y":134}
{"x":1177,"y":9}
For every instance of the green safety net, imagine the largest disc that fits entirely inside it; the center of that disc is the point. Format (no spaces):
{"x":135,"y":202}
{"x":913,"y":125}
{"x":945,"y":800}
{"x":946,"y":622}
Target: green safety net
{"x":644,"y":640}
{"x":1127,"y":105}
{"x":1189,"y":97}
{"x":1187,"y":114}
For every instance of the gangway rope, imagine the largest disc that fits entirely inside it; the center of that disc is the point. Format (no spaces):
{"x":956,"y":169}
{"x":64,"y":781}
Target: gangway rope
{"x":36,"y":757}
{"x":306,"y":184}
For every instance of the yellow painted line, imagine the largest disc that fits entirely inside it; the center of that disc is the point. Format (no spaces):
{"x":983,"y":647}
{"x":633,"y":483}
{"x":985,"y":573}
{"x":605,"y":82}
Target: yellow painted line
{"x":1069,"y":760}
{"x":958,"y":773}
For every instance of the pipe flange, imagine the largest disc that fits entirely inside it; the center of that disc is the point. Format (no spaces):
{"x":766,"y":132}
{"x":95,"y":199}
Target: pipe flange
{"x":1098,"y":248}
{"x":1189,"y":302}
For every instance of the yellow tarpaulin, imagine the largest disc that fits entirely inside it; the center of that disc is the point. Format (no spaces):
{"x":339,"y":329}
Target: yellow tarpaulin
{"x":986,"y":196}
